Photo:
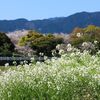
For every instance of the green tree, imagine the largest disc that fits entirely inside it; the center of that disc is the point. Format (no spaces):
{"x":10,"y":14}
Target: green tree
{"x":90,"y":34}
{"x":41,"y":43}
{"x":6,"y":46}
{"x":90,"y":29}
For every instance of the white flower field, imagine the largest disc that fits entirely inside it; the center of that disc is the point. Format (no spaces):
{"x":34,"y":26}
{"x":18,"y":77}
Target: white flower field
{"x":74,"y":76}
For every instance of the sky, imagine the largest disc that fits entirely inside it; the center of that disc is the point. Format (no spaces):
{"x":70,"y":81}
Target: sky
{"x":43,"y":9}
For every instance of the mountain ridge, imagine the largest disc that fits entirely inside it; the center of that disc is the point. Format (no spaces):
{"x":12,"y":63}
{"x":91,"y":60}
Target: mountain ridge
{"x":53,"y":25}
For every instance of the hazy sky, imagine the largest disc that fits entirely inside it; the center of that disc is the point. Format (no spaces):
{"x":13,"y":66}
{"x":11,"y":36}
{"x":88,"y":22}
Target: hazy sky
{"x":40,"y":9}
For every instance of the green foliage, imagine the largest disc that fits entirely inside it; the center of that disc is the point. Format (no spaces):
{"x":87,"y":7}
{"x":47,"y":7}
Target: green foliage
{"x":32,"y":35}
{"x":41,"y":43}
{"x":88,"y":34}
{"x":6,"y":46}
{"x":90,"y":29}
{"x":22,"y":41}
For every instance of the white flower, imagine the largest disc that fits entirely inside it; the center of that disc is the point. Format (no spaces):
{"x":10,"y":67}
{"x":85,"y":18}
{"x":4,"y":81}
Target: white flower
{"x":98,"y":52}
{"x":45,"y":57}
{"x":84,"y":44}
{"x":69,"y":49}
{"x":69,"y":46}
{"x":15,"y":63}
{"x":58,"y":46}
{"x":41,"y":54}
{"x":7,"y":64}
{"x":38,"y":63}
{"x":72,"y":54}
{"x":21,"y":63}
{"x":25,"y":62}
{"x":78,"y":34}
{"x":95,"y":42}
{"x":29,"y":54}
{"x":32,"y":59}
{"x":30,"y":64}
{"x":61,"y":51}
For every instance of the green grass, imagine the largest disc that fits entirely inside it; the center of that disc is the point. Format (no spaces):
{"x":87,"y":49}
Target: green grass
{"x":3,"y":68}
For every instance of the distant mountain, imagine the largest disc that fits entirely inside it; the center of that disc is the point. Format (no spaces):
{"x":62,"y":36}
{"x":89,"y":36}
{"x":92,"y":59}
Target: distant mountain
{"x":53,"y":25}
